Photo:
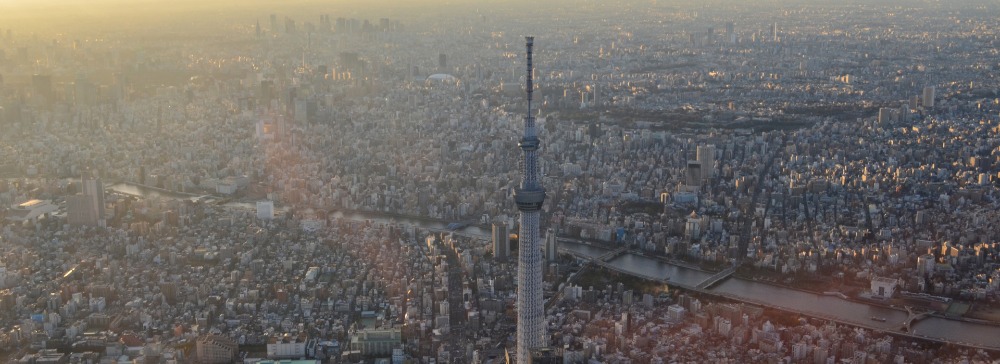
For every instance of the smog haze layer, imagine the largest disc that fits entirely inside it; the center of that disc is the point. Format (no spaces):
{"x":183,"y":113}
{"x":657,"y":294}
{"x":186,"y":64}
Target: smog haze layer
{"x":127,"y":18}
{"x":121,"y":17}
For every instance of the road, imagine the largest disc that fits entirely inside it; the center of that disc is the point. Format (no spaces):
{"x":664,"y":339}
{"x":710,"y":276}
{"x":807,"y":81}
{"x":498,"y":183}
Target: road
{"x":459,"y":334}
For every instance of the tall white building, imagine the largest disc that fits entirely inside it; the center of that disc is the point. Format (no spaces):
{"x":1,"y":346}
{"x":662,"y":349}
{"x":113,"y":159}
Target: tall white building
{"x":675,"y":313}
{"x":883,"y":287}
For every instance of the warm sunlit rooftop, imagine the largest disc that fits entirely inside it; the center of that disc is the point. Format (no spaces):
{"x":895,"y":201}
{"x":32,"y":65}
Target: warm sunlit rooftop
{"x":30,"y":203}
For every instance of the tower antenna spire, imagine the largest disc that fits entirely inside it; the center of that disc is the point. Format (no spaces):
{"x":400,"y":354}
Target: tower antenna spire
{"x":529,"y":44}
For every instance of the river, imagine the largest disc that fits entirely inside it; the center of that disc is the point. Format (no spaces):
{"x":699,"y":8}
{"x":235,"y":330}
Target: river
{"x":735,"y":288}
{"x":861,"y":313}
{"x":799,"y":301}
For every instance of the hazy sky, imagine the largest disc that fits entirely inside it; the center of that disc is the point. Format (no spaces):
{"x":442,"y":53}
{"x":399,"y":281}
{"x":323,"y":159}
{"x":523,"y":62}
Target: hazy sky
{"x":60,"y":16}
{"x":84,"y":18}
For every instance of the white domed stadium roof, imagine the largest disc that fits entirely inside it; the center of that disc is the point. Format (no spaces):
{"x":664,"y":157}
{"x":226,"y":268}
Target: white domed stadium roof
{"x":442,"y":77}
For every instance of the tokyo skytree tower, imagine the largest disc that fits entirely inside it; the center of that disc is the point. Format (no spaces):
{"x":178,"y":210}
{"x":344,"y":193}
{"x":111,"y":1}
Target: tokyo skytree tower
{"x":529,"y":197}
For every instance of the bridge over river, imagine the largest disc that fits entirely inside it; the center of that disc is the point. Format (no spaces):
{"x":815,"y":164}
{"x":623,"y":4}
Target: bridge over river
{"x":711,"y":281}
{"x":606,"y":258}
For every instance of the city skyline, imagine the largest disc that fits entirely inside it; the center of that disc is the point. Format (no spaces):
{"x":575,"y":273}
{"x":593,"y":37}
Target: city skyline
{"x":344,"y":182}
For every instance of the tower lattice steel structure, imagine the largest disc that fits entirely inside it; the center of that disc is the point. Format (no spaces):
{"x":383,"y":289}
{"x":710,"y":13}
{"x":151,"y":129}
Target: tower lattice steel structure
{"x":529,"y":197}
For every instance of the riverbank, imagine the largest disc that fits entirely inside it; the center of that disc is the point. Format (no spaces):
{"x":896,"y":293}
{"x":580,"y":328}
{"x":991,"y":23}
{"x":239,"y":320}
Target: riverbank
{"x":985,"y":313}
{"x":919,"y":333}
{"x":977,"y":314}
{"x":853,"y":311}
{"x":896,"y":333}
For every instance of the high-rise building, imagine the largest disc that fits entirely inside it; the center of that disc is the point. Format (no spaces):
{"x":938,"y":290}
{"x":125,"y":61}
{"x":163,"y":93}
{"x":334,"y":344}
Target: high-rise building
{"x":551,"y":245}
{"x":884,"y":114}
{"x":529,"y":197}
{"x":925,"y":265}
{"x":928,"y":98}
{"x":87,"y":208}
{"x":693,"y":174}
{"x":501,"y":241}
{"x":94,"y":190}
{"x":692,"y":229}
{"x":78,"y":211}
{"x":705,"y":154}
{"x":597,"y":97}
{"x":215,"y":349}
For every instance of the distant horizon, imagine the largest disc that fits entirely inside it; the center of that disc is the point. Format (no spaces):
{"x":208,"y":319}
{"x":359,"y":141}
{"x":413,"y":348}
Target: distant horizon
{"x":86,"y":18}
{"x":83,"y":18}
{"x":102,"y":16}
